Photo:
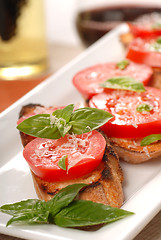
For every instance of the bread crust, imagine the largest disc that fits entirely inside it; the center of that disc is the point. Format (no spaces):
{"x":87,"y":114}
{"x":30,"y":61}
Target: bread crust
{"x":130,"y":150}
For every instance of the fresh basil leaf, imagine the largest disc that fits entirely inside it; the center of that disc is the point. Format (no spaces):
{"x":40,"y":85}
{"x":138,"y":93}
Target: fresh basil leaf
{"x":86,"y":213}
{"x":38,"y":211}
{"x":27,"y":205}
{"x":122,"y":64}
{"x":80,"y":121}
{"x":29,"y":218}
{"x":62,"y":162}
{"x":63,"y":127}
{"x":124,"y":83}
{"x":39,"y":126}
{"x":64,"y":113}
{"x":63,"y":198}
{"x":144,"y":107}
{"x":87,"y":119}
{"x":156,"y":25}
{"x":29,"y":211}
{"x":158,"y":40}
{"x":150,"y":139}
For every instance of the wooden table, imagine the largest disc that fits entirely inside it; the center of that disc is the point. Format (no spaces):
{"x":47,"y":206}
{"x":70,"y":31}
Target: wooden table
{"x":12,"y":91}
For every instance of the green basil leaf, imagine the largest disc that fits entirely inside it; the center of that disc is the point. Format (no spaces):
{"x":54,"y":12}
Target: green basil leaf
{"x":64,"y":113}
{"x":37,"y":211}
{"x":144,"y":107}
{"x":43,"y":126}
{"x":29,"y":218}
{"x":63,"y":121}
{"x":124,"y":83}
{"x":27,"y":205}
{"x":150,"y":139}
{"x":63,"y":198}
{"x":39,"y":126}
{"x":62,"y":162}
{"x":87,"y":119}
{"x":63,"y":127}
{"x":29,"y":211}
{"x":86,"y":213}
{"x":158,"y":40}
{"x":122,"y":64}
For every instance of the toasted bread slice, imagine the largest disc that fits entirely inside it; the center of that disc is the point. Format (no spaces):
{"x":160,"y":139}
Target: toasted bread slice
{"x":130,"y":150}
{"x":104,"y":183}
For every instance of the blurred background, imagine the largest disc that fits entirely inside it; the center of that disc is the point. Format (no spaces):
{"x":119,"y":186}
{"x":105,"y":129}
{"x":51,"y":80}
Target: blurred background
{"x":61,"y":30}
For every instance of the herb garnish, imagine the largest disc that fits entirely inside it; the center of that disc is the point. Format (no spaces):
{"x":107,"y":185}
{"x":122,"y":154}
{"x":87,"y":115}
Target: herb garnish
{"x":63,"y":210}
{"x":124,"y":83}
{"x":122,"y":64}
{"x":63,"y":121}
{"x":62,"y":162}
{"x":144,"y":107}
{"x":150,"y":139}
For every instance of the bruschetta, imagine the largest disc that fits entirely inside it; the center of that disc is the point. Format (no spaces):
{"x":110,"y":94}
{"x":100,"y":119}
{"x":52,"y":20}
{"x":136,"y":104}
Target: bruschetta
{"x":104,"y":179}
{"x":136,"y":116}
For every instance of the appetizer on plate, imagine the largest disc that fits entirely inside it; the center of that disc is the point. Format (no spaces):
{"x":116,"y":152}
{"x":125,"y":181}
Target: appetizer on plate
{"x":136,"y":115}
{"x":68,"y":158}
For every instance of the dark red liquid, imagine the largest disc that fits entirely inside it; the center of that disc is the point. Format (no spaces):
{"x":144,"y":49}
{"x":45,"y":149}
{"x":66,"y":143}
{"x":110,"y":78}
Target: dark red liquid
{"x":93,"y":24}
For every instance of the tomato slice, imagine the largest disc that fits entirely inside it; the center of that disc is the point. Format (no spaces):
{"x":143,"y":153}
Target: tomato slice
{"x":145,"y":30}
{"x":87,"y":81}
{"x":84,"y":153}
{"x":127,"y":121}
{"x":147,"y":25}
{"x":140,"y":51}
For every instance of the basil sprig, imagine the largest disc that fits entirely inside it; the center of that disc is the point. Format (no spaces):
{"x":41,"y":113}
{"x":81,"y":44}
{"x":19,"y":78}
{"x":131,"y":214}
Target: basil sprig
{"x":150,"y":139}
{"x":63,"y":121}
{"x":63,"y":210}
{"x":144,"y":107}
{"x":122,"y":64}
{"x":124,"y":83}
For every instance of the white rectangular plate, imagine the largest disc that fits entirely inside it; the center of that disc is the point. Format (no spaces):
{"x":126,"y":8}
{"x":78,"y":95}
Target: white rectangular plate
{"x":142,"y":182}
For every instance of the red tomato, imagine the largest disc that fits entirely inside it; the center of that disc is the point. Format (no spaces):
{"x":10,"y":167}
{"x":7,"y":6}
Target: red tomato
{"x":84,"y":153}
{"x":140,"y":51}
{"x":145,"y":30}
{"x":87,"y":81}
{"x":127,"y":121}
{"x":147,"y":25}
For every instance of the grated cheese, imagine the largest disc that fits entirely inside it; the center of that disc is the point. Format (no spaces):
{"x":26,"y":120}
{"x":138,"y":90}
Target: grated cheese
{"x":145,"y":149}
{"x":55,"y":120}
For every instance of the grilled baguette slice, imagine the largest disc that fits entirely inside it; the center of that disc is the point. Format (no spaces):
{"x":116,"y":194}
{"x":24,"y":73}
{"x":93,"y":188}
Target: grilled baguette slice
{"x":130,"y":150}
{"x":104,"y":183}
